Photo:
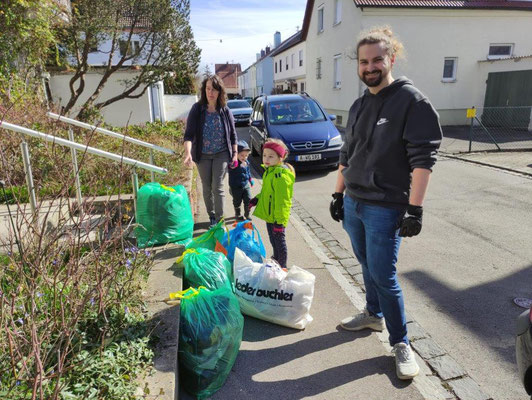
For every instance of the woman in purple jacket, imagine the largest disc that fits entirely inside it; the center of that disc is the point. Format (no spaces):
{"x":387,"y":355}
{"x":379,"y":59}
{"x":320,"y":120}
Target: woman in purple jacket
{"x":211,"y":143}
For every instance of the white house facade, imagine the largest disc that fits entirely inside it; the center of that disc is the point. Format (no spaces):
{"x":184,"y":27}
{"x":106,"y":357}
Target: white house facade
{"x":450,"y":49}
{"x":264,"y":71}
{"x":289,"y":66}
{"x":248,"y":82}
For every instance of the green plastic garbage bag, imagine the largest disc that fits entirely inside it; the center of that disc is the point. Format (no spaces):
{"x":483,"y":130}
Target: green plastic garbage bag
{"x":204,"y":267}
{"x":212,"y":239}
{"x":163,"y":214}
{"x":210,"y":332}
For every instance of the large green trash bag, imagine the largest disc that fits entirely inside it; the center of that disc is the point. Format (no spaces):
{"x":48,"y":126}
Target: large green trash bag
{"x":210,"y":332}
{"x":163,"y":214}
{"x":211,"y":239}
{"x":204,"y":267}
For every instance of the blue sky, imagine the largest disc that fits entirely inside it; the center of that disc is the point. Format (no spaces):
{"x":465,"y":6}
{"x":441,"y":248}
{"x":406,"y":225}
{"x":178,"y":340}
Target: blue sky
{"x":245,"y":27}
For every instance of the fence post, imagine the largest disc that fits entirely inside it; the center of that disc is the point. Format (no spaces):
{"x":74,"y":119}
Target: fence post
{"x":471,"y":128}
{"x":76,"y":169}
{"x":29,"y":179}
{"x":135,"y":182}
{"x":152,"y":161}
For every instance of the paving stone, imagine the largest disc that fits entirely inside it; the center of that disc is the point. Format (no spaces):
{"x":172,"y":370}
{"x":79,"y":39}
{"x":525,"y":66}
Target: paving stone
{"x":323,"y":235}
{"x":415,"y":331}
{"x":409,"y":318}
{"x":349,"y":262}
{"x":339,"y":252}
{"x":428,"y":348}
{"x":446,"y":367}
{"x":359,"y":278}
{"x":467,"y":389}
{"x":351,"y":270}
{"x":431,"y":387}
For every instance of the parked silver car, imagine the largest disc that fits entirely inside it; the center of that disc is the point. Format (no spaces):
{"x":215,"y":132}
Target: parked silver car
{"x":523,"y":349}
{"x":241,"y":110}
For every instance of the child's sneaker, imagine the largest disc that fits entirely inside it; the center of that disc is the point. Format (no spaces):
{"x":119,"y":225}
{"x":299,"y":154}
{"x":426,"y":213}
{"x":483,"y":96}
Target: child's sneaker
{"x":212,"y":221}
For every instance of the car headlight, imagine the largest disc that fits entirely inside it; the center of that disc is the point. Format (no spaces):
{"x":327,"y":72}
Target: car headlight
{"x":336,"y":141}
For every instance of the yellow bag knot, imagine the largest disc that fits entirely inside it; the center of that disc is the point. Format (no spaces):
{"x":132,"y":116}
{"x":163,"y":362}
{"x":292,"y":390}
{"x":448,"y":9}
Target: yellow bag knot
{"x":168,"y":188}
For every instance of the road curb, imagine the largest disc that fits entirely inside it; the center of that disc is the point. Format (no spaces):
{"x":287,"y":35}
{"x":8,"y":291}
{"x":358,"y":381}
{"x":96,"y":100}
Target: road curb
{"x":485,"y":164}
{"x":441,"y":377}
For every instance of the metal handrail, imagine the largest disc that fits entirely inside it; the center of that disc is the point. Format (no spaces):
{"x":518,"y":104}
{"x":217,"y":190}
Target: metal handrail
{"x":108,"y":132}
{"x":82,"y":147}
{"x":74,"y":146}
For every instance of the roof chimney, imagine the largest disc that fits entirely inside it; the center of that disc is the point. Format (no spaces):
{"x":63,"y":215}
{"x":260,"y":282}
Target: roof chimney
{"x":258,"y":56}
{"x":262,"y":53}
{"x":268,"y":50}
{"x":276,"y":39}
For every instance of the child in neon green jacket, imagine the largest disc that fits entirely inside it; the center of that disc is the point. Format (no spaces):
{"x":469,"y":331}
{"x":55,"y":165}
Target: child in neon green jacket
{"x":274,"y":202}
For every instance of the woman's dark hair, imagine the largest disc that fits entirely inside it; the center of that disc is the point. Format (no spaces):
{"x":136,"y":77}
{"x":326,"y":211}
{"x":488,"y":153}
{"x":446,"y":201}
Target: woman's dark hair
{"x":217,"y":84}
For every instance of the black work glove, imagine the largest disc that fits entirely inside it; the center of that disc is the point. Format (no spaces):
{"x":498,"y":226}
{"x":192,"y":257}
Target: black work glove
{"x":410,"y":225}
{"x":336,"y":207}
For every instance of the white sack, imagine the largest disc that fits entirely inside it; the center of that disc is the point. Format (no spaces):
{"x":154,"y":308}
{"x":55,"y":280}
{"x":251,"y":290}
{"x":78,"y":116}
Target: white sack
{"x":267,"y":292}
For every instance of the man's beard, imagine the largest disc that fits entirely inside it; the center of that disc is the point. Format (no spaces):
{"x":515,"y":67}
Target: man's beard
{"x":372,"y":82}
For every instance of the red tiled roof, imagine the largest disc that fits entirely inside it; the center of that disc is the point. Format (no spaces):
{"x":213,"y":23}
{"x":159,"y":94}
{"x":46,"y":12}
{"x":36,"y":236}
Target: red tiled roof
{"x":228,"y":73}
{"x":464,"y":4}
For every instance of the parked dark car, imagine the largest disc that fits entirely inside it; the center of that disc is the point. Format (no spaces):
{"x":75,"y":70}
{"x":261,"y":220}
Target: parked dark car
{"x":523,"y":349}
{"x":302,"y":124}
{"x":241,"y":110}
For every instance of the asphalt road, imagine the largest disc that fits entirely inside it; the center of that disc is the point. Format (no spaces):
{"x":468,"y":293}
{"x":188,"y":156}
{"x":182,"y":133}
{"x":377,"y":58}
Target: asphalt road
{"x":462,"y":272}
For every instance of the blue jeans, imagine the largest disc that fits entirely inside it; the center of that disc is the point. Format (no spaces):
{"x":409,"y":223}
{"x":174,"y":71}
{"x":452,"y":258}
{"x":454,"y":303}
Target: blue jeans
{"x":375,"y":240}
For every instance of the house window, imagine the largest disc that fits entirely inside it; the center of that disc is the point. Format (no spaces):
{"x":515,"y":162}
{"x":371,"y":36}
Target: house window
{"x":449,"y":69}
{"x":275,"y":67}
{"x":337,"y":11}
{"x":320,"y":19}
{"x":337,"y":67}
{"x":318,"y":68}
{"x":132,"y":49}
{"x":280,"y":65}
{"x":300,"y":58}
{"x":293,"y":63}
{"x":500,"y":50}
{"x":302,"y":86}
{"x":286,"y":63}
{"x":338,"y":120}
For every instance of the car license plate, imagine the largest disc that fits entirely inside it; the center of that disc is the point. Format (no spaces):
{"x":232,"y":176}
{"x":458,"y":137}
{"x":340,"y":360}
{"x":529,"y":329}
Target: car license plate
{"x":309,"y":157}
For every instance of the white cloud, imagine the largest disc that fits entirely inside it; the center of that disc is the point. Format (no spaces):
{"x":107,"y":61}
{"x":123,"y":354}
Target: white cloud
{"x":245,"y":27}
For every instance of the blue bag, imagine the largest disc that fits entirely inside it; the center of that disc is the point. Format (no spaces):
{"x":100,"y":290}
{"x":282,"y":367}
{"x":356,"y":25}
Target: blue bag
{"x":250,"y":243}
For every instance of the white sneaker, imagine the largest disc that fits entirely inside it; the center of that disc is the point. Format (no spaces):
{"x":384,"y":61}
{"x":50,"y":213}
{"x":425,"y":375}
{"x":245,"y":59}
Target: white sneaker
{"x":363,"y":321}
{"x":405,"y":361}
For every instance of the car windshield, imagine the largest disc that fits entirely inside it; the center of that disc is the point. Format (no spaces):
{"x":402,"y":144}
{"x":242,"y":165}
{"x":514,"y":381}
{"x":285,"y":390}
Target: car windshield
{"x":294,"y":112}
{"x":238,"y":104}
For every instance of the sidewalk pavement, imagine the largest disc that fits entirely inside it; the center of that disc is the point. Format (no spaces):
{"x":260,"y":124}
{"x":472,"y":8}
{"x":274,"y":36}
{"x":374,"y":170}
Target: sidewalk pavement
{"x":323,"y":361}
{"x":515,"y":161}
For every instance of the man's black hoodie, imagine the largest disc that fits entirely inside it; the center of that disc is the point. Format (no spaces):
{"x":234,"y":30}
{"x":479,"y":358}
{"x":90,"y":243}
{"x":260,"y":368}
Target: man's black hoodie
{"x":386,"y":137}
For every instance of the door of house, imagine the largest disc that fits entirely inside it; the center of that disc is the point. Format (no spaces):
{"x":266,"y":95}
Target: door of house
{"x":508,"y":89}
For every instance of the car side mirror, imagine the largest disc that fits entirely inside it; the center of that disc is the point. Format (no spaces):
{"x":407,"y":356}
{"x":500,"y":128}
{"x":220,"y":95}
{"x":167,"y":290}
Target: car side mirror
{"x":258,"y":123}
{"x":332,"y":117}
